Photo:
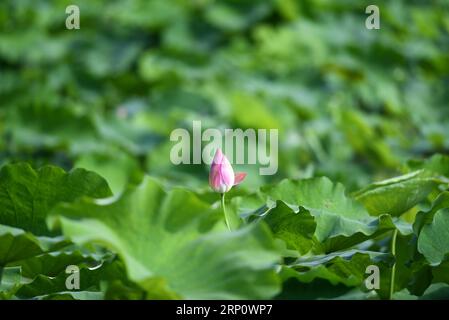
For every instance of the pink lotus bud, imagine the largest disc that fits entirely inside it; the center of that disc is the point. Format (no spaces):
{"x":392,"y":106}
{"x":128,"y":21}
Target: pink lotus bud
{"x":222,"y":177}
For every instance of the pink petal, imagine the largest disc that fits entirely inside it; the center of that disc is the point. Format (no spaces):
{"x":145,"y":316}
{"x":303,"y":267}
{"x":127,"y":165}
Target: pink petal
{"x":221,"y":176}
{"x":218,"y":157}
{"x":239,"y":177}
{"x":227,"y":173}
{"x":214,"y":175}
{"x":214,"y":179}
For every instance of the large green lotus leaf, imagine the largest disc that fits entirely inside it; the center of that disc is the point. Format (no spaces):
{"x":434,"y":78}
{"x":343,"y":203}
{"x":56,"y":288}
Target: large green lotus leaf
{"x":375,"y":227}
{"x":90,"y":277}
{"x":101,"y":275}
{"x":293,"y":289}
{"x":72,"y":295}
{"x":426,"y":217}
{"x":433,"y":239}
{"x":44,"y":275}
{"x":295,"y":228}
{"x":438,"y":164}
{"x":335,"y":272}
{"x":397,"y":195}
{"x":340,"y":221}
{"x":27,"y":195}
{"x":419,"y":277}
{"x":440,"y":273}
{"x":361,"y":135}
{"x":9,"y":282}
{"x":53,"y":263}
{"x":17,"y":245}
{"x":173,"y":237}
{"x":436,"y":292}
{"x":335,"y":214}
{"x":44,"y":126}
{"x":345,"y":267}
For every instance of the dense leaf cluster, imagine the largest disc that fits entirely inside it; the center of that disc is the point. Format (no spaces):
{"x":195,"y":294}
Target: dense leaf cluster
{"x":352,"y":106}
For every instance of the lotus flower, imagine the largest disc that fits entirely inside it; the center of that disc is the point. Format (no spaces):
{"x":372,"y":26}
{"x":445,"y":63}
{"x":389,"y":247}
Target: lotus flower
{"x":222,"y":177}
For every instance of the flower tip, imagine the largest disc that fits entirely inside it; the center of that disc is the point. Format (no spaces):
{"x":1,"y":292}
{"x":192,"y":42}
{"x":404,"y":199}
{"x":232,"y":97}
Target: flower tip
{"x":218,"y":157}
{"x":239,"y":177}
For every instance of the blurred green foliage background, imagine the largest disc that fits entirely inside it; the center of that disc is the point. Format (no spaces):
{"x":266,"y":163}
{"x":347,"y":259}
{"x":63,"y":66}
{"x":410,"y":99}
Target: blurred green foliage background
{"x":349,"y":103}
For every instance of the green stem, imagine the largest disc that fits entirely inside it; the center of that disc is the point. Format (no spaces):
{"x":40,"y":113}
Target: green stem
{"x":393,"y":269}
{"x":224,"y":211}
